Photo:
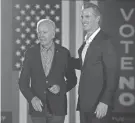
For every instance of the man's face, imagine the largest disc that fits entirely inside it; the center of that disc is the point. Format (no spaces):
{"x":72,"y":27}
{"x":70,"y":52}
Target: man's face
{"x":45,"y":33}
{"x":89,"y":19}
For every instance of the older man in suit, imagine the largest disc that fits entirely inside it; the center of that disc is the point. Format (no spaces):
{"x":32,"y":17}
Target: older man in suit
{"x":47,"y":65}
{"x":97,"y":62}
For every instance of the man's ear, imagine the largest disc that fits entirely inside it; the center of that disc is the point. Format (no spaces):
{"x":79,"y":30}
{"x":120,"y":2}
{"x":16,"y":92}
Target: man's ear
{"x":98,"y":19}
{"x":54,"y":34}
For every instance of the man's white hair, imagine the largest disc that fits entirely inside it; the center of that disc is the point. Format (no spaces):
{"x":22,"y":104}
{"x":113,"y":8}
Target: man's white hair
{"x":45,"y":20}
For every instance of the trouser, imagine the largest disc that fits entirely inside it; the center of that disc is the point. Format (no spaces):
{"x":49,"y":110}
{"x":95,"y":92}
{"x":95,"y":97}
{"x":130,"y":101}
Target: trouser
{"x":49,"y":118}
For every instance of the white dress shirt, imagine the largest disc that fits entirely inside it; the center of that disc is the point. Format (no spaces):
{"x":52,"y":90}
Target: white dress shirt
{"x":88,"y":41}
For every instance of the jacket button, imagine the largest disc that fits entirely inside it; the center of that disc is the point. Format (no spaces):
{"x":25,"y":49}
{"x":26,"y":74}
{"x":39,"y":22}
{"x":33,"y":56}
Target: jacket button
{"x":44,"y":92}
{"x":46,"y":81}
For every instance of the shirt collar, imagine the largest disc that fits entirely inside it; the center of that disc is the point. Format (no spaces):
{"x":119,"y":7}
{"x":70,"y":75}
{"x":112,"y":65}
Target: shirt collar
{"x":46,"y":48}
{"x":92,"y":36}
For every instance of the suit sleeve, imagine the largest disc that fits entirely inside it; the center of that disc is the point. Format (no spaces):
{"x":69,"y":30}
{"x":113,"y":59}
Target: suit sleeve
{"x":70,"y":75}
{"x":75,"y":62}
{"x":110,"y":70}
{"x":24,"y":80}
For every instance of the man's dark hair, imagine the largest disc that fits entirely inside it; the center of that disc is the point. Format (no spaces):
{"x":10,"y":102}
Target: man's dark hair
{"x":93,"y":6}
{"x":95,"y":9}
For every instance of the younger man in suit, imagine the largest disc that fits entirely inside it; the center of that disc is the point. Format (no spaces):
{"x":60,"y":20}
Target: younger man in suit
{"x":97,"y":62}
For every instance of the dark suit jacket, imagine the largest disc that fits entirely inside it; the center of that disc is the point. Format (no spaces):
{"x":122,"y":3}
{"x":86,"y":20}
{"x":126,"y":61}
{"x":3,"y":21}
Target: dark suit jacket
{"x":61,"y":69}
{"x":99,"y":77}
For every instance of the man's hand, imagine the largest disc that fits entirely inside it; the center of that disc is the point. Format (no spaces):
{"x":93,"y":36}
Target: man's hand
{"x":55,"y":89}
{"x":37,"y":104}
{"x":101,"y":110}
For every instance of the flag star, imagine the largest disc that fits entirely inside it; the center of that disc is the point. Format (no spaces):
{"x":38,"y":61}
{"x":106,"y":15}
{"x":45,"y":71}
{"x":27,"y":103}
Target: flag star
{"x":37,"y":41}
{"x":22,"y":12}
{"x":18,"y":41}
{"x":23,"y":35}
{"x":27,"y":6}
{"x":57,"y":30}
{"x":23,"y":47}
{"x":47,"y":17}
{"x":28,"y":18}
{"x":37,"y":6}
{"x":32,"y":12}
{"x":57,"y":41}
{"x":32,"y":24}
{"x":27,"y":30}
{"x":17,"y":6}
{"x":37,"y":18}
{"x":47,"y":6}
{"x":23,"y":24}
{"x":18,"y":53}
{"x":22,"y":59}
{"x":18,"y":65}
{"x":18,"y":18}
{"x":57,"y":6}
{"x":52,"y":12}
{"x":42,"y":12}
{"x":57,"y":18}
{"x":27,"y":42}
{"x":17,"y":29}
{"x":32,"y":36}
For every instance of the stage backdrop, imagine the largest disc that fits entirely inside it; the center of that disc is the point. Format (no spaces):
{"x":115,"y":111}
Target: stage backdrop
{"x":119,"y":21}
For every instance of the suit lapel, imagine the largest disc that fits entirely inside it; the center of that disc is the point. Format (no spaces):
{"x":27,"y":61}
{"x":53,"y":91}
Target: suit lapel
{"x":94,"y":42}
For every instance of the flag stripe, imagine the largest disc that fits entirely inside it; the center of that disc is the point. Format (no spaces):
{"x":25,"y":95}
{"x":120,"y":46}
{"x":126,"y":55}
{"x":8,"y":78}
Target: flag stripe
{"x":78,"y":41}
{"x":15,"y":97}
{"x":72,"y":38}
{"x":65,"y":39}
{"x":9,"y":93}
{"x":22,"y":109}
{"x":65,"y":24}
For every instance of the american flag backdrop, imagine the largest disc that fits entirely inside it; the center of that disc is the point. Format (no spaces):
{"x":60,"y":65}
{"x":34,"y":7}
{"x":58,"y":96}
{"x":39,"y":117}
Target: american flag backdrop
{"x":26,"y":14}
